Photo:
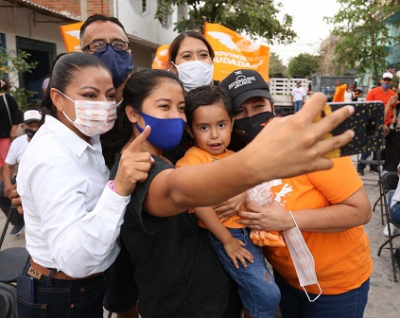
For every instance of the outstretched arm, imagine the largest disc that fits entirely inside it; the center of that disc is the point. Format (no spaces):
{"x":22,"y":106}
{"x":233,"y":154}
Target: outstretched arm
{"x":174,"y":191}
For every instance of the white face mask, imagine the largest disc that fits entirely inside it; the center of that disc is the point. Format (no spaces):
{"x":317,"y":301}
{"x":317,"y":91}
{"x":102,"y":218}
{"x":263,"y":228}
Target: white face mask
{"x":302,"y":258}
{"x":93,"y":118}
{"x":195,"y":74}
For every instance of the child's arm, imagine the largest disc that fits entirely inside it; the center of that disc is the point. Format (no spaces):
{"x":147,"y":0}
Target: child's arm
{"x":233,"y":247}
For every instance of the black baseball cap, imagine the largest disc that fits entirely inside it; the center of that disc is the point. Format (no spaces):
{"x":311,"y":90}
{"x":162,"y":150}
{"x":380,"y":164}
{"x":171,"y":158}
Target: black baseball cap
{"x":244,"y":84}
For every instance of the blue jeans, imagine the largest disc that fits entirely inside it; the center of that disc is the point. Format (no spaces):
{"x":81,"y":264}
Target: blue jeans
{"x":395,"y":209}
{"x":257,"y":289}
{"x":297,"y":105}
{"x":55,"y":298}
{"x":294,"y":302}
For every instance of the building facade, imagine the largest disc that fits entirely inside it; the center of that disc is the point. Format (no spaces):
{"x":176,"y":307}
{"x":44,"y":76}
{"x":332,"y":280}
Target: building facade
{"x":33,"y":26}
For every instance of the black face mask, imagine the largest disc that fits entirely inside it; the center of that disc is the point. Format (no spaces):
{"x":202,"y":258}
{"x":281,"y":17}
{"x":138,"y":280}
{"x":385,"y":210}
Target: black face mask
{"x":30,"y":132}
{"x":246,"y":129}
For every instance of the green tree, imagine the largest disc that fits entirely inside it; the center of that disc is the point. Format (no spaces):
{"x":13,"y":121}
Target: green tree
{"x":276,"y":67}
{"x":11,"y":65}
{"x":362,"y":29}
{"x":257,"y":18}
{"x":303,"y":65}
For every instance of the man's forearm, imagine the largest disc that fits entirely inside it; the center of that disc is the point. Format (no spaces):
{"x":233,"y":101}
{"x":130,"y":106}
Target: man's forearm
{"x":8,"y":171}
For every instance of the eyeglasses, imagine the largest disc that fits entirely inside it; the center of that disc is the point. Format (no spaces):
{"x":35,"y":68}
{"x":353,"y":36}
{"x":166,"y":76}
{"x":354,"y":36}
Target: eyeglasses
{"x":100,"y":46}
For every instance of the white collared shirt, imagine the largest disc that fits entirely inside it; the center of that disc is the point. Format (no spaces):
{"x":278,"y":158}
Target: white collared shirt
{"x":72,"y":217}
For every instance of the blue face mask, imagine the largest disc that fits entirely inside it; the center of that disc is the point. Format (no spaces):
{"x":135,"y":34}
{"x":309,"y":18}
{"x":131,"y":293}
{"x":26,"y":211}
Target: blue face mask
{"x":386,"y":85}
{"x":165,"y":134}
{"x":118,"y":62}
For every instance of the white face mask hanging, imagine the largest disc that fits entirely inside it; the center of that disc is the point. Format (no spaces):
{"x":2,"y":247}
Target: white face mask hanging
{"x":195,"y":74}
{"x":302,"y":258}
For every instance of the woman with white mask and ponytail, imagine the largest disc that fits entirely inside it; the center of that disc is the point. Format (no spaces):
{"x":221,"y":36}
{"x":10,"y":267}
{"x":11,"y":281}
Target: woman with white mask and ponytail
{"x":73,"y":215}
{"x":191,"y":58}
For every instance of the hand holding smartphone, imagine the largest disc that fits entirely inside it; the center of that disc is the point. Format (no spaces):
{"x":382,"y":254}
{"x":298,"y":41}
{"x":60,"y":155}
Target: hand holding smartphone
{"x":366,"y":122}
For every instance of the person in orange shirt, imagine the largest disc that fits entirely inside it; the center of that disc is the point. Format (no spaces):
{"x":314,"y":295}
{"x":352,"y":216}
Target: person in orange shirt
{"x":389,"y":98}
{"x":209,"y":120}
{"x":329,"y":207}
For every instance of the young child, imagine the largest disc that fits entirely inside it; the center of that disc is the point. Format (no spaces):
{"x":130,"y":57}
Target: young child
{"x":210,"y":120}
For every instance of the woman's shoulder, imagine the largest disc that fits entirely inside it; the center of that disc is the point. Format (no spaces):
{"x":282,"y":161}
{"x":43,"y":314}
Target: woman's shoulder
{"x":46,"y":147}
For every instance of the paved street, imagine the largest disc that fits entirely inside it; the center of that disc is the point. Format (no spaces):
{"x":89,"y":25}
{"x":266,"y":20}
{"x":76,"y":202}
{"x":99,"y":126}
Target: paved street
{"x":384,"y":295}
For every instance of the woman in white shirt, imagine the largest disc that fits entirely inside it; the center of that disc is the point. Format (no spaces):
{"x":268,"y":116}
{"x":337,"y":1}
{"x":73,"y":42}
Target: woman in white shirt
{"x":349,"y":94}
{"x":72,"y":215}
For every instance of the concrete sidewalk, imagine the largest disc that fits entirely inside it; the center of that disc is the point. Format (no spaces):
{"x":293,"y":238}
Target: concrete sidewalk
{"x":384,"y":295}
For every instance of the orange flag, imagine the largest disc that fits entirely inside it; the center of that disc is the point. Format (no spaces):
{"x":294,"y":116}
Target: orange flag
{"x":233,"y":51}
{"x":70,"y":34}
{"x":161,"y":59}
{"x":339,"y":94}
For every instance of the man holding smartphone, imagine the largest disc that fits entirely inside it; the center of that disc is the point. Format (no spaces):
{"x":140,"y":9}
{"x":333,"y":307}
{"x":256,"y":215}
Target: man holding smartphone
{"x":385,"y":94}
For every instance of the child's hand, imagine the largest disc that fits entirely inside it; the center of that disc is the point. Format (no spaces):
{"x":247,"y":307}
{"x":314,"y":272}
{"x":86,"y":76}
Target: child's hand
{"x":267,"y":238}
{"x":234,"y":249}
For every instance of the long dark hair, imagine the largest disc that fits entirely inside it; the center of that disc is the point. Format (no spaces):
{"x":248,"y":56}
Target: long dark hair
{"x":136,"y":90}
{"x":5,"y":87}
{"x":63,"y":73}
{"x":176,"y":43}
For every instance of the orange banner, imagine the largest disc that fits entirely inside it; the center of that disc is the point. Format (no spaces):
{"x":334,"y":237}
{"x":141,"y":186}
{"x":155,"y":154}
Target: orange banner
{"x":70,"y":34}
{"x":233,"y":51}
{"x":160,"y":61}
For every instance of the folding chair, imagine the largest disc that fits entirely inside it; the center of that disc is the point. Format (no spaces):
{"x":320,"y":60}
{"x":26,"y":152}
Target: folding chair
{"x":12,"y":260}
{"x":384,"y":188}
{"x":379,"y":163}
{"x":8,"y":301}
{"x":389,"y":179}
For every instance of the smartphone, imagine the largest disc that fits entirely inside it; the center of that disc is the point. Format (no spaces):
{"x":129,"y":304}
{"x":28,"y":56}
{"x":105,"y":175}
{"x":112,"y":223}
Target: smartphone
{"x":26,"y":288}
{"x":367,"y":124}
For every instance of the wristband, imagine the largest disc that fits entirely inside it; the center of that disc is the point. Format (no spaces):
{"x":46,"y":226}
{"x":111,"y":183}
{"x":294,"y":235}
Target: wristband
{"x":111,"y":186}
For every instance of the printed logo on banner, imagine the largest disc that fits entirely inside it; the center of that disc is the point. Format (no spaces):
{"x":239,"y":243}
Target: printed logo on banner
{"x":233,"y":51}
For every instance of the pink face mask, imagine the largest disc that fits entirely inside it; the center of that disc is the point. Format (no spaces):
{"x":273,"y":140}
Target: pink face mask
{"x":93,"y":118}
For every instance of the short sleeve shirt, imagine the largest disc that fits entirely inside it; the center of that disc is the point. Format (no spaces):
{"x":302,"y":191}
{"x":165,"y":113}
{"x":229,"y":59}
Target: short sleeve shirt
{"x":16,"y":150}
{"x":176,"y":269}
{"x":342,"y":259}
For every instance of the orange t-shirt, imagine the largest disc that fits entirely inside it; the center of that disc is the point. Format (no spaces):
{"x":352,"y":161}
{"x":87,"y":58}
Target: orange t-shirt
{"x":197,"y":156}
{"x":342,"y":260}
{"x":377,"y":94}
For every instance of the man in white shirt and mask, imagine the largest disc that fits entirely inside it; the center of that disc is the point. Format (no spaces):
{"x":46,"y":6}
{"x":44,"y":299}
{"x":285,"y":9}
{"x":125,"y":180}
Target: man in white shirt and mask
{"x":30,"y":126}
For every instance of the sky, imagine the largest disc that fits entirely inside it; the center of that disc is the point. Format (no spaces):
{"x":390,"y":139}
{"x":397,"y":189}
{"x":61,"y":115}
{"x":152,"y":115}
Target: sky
{"x":309,"y":25}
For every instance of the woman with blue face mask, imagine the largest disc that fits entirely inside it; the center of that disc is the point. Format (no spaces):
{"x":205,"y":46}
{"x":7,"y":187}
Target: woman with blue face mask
{"x":166,"y":262}
{"x":72,"y":213}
